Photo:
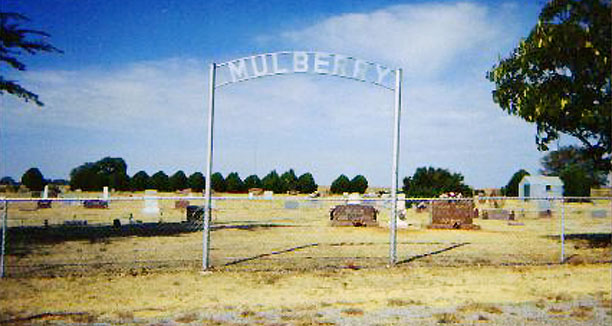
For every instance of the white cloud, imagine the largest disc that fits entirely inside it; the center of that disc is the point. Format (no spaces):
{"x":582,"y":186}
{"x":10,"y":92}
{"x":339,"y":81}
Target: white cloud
{"x":424,"y":39}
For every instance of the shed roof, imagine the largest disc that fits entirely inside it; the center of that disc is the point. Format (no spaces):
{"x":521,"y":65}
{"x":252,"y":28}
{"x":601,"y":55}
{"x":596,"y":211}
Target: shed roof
{"x":541,"y":179}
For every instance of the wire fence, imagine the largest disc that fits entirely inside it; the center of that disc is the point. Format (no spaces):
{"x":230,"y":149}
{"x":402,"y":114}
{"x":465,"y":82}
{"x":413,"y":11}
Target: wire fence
{"x":144,"y":234}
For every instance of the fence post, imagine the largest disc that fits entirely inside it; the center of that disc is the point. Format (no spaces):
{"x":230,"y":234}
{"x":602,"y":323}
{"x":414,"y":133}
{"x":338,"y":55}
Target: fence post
{"x":562,"y":229}
{"x":4,"y":224}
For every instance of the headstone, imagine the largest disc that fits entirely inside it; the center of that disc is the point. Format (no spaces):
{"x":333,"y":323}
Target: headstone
{"x":95,"y":203}
{"x":353,"y":215}
{"x":194,"y":213}
{"x":268,"y":194}
{"x":44,"y":204}
{"x":45,"y":193}
{"x":497,"y":214}
{"x":599,"y":213}
{"x":151,"y":208}
{"x":401,"y":202}
{"x":453,"y":214}
{"x":354,"y":199}
{"x":181,"y":204}
{"x":105,"y":193}
{"x":291,"y":204}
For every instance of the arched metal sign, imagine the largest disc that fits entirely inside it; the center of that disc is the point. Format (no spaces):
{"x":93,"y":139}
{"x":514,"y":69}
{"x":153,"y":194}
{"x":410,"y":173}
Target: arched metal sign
{"x":296,"y":62}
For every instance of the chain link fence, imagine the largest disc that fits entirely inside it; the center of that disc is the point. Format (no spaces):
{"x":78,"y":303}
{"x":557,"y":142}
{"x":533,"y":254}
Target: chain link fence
{"x":140,"y":234}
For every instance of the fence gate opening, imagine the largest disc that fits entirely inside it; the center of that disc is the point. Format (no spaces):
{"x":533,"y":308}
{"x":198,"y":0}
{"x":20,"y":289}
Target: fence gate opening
{"x":296,"y":62}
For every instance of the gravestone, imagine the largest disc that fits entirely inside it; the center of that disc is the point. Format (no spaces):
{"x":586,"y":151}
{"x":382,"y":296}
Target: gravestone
{"x":95,"y":203}
{"x":44,"y":204}
{"x":181,"y":204}
{"x":353,"y":215}
{"x":498,"y":214}
{"x":151,"y":208}
{"x":268,"y":194}
{"x":599,"y":213}
{"x":354,"y":199}
{"x":194,"y":213}
{"x":453,"y":215}
{"x":292,"y":204}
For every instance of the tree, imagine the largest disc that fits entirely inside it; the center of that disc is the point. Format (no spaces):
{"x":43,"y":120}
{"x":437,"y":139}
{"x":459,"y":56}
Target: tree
{"x":8,"y":181}
{"x":113,"y":173}
{"x":109,"y":171}
{"x":178,"y":181}
{"x":160,"y":181}
{"x":140,"y":181}
{"x":432,"y":182}
{"x":273,"y":182}
{"x":234,"y":184}
{"x":359,"y":184}
{"x":341,"y":185}
{"x":196,"y":181}
{"x":556,"y":161}
{"x":559,"y":77}
{"x":252,"y":181}
{"x":511,"y":189}
{"x":217,"y":182}
{"x":576,"y":181}
{"x":290,"y":180}
{"x":85,"y":177}
{"x":16,"y":41}
{"x":306,"y":184}
{"x":33,"y":179}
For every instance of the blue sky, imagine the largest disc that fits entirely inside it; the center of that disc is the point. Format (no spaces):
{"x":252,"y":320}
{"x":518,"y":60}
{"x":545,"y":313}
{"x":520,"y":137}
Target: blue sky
{"x":132,"y":83}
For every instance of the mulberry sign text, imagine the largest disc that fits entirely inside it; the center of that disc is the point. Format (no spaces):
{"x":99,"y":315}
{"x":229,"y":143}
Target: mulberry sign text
{"x":281,"y":63}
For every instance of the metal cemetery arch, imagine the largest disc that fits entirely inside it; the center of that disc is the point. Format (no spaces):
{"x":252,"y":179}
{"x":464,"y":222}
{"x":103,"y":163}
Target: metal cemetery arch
{"x":290,"y":62}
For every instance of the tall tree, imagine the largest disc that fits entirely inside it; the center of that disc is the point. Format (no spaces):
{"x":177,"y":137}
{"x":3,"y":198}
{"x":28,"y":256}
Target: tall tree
{"x":233,"y":183}
{"x":511,"y":189}
{"x":140,"y":181}
{"x":273,"y":182}
{"x":217,"y":182}
{"x":555,"y":162}
{"x":559,"y":77}
{"x":109,"y":171}
{"x":8,"y":181}
{"x":576,"y":181}
{"x":359,"y":184}
{"x":33,"y":179}
{"x":307,"y":184}
{"x":252,"y":181}
{"x":178,"y":181}
{"x":433,"y":182}
{"x":342,"y":184}
{"x":197,"y":181}
{"x":16,"y":41}
{"x":290,"y":180}
{"x":85,"y":177}
{"x":160,"y":181}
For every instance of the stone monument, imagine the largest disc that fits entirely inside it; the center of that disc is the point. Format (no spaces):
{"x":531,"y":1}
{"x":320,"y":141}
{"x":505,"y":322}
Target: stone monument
{"x":151,"y":208}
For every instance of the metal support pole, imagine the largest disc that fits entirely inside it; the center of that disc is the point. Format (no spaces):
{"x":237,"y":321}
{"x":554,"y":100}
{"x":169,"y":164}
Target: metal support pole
{"x":207,"y":216}
{"x":4,"y":225}
{"x":562,"y":230}
{"x":394,"y":174}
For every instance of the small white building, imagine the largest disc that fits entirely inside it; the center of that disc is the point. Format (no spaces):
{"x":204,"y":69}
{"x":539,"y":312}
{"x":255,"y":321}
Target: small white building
{"x":541,"y":187}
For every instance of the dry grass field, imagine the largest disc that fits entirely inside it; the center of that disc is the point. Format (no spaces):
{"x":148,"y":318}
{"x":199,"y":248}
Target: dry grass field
{"x":277,"y":265}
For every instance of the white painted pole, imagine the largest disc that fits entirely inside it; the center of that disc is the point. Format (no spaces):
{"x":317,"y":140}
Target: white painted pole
{"x":394,"y":174}
{"x":562,"y":230}
{"x":4,"y":225}
{"x":207,"y":216}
